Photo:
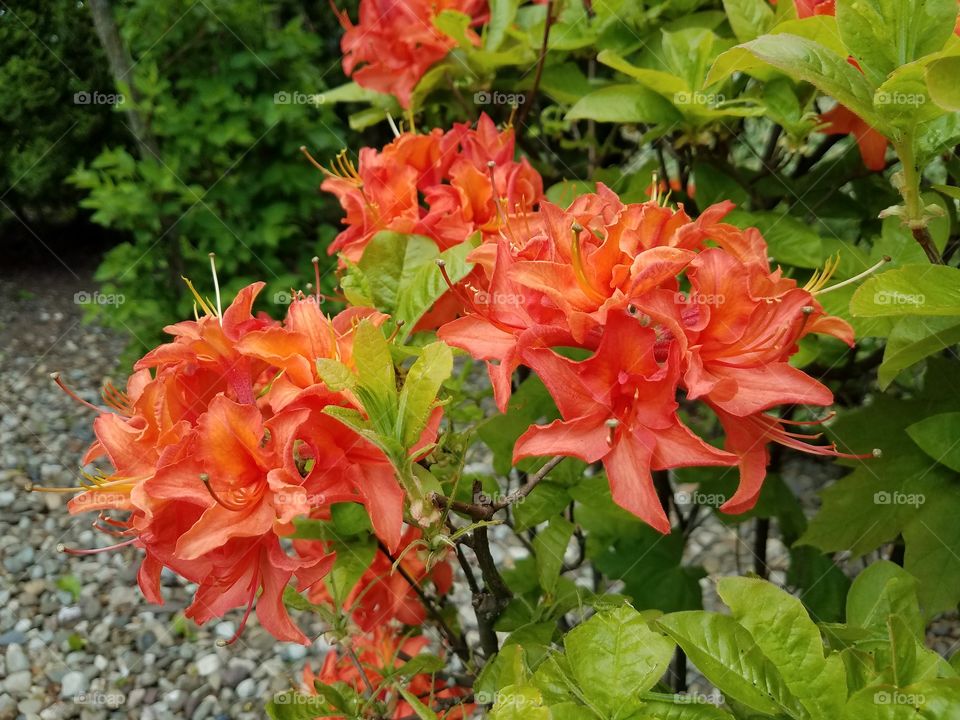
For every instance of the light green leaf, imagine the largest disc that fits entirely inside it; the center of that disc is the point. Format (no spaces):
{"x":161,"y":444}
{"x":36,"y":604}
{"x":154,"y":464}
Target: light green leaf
{"x":812,"y":62}
{"x":930,"y":700}
{"x":421,"y":285}
{"x":502,"y":13}
{"x":909,"y":290}
{"x":419,"y":394}
{"x":783,"y":630}
{"x":614,"y":657}
{"x":728,"y":656}
{"x":661,"y":82}
{"x":882,"y":35}
{"x":882,"y":590}
{"x":519,"y":702}
{"x":685,"y":707}
{"x":749,"y":18}
{"x":624,"y":103}
{"x":942,"y":82}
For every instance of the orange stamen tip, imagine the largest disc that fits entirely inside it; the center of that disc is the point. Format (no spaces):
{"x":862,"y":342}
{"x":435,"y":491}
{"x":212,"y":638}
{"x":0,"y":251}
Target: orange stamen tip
{"x":576,"y":227}
{"x":491,"y":164}
{"x":61,"y":547}
{"x":441,"y":263}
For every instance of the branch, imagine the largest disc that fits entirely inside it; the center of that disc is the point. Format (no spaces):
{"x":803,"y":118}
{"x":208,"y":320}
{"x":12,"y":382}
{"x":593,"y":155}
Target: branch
{"x":486,"y":511}
{"x":540,"y":63}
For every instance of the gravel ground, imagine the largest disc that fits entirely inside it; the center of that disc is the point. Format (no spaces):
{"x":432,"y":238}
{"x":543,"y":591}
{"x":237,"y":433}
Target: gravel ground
{"x":76,"y":638}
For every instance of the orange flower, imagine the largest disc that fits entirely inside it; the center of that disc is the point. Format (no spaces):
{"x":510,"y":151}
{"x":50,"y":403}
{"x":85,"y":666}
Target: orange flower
{"x":873,"y":145}
{"x":379,"y":653}
{"x":396,"y":42}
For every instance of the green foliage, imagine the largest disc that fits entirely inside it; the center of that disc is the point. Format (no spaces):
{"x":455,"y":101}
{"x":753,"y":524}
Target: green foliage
{"x":226,"y":88}
{"x":51,"y":67}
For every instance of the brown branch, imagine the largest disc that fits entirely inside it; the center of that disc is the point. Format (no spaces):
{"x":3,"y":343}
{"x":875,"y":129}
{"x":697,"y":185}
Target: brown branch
{"x":541,"y":61}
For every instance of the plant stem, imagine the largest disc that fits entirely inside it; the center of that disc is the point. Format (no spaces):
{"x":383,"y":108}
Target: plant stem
{"x":916,"y":219}
{"x":760,"y":548}
{"x":540,"y":63}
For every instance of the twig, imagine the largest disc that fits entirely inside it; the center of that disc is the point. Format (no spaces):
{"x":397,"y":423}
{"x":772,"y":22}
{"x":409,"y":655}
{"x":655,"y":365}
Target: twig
{"x":541,"y":61}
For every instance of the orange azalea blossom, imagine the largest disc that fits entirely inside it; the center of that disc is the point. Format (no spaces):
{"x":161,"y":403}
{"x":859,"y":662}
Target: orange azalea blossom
{"x":396,"y":42}
{"x":381,"y":650}
{"x":220,"y":441}
{"x":666,"y":305}
{"x":383,"y":593}
{"x":462,"y":192}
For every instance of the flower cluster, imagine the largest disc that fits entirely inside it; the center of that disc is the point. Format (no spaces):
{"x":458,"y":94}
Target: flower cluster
{"x":467,"y":178}
{"x":666,"y":305}
{"x":396,"y":42}
{"x":221,"y":440}
{"x":380,"y":654}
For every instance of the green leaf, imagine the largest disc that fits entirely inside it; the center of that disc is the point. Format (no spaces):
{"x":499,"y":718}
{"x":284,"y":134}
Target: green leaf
{"x":625,"y":104}
{"x":661,"y":82}
{"x":748,"y":18}
{"x":421,"y":710}
{"x":942,"y":83}
{"x":614,"y":656}
{"x":882,"y":35}
{"x":909,"y":290}
{"x":939,"y":437}
{"x":882,"y":590}
{"x":550,"y":546}
{"x":353,"y":559}
{"x":931,"y":539}
{"x":293,"y":705}
{"x":519,"y":702}
{"x":335,"y":375}
{"x":546,"y":500}
{"x":507,"y":667}
{"x":685,"y":707}
{"x":565,"y":82}
{"x":391,"y":258}
{"x":350,"y":519}
{"x":785,"y":633}
{"x":912,"y":340}
{"x":930,"y":700}
{"x":728,"y":656}
{"x":502,"y":13}
{"x":422,"y":285}
{"x":419,"y":393}
{"x":828,"y":71}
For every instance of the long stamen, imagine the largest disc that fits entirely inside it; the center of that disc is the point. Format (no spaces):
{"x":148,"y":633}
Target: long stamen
{"x":63,"y":386}
{"x":255,"y":581}
{"x":93,"y":551}
{"x":856,"y":278}
{"x":393,"y":125}
{"x":216,"y":286}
